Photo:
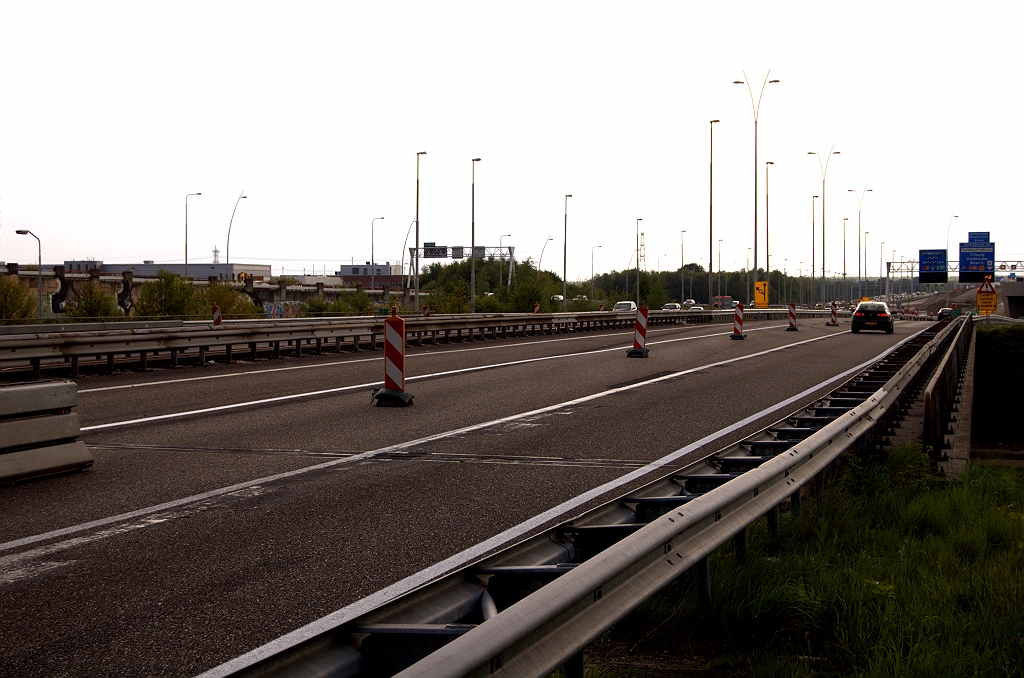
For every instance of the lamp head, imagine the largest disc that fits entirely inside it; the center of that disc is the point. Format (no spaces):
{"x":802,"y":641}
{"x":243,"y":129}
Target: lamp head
{"x":714,"y":121}
{"x":244,"y":197}
{"x":21,"y":231}
{"x":835,"y":152}
{"x":422,"y":153}
{"x":870,"y":190}
{"x":771,"y":81}
{"x":814,"y":196}
{"x":738,"y":82}
{"x":568,"y":195}
{"x":769,"y":163}
{"x":476,"y":159}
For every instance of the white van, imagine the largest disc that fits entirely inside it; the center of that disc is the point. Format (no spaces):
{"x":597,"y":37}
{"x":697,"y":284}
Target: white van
{"x":624,"y":306}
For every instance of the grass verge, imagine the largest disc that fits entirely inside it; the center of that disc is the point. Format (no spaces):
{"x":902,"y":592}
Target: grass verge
{"x":895,"y":571}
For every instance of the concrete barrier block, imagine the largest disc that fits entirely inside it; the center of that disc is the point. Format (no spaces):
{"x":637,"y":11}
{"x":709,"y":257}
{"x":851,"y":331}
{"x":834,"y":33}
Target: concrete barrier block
{"x":46,"y":396}
{"x":43,"y":461}
{"x":38,"y":431}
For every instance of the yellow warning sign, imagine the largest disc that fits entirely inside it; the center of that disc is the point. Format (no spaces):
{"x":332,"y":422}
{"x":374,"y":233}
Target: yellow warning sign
{"x":987,"y":302}
{"x":761,"y":294}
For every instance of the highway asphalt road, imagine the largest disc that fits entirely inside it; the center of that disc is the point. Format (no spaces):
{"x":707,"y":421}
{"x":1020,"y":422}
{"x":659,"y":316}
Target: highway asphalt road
{"x":338,"y":498}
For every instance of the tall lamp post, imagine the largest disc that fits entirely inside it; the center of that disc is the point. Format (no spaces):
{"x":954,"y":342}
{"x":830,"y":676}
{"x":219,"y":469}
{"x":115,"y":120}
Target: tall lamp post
{"x":186,"y":231}
{"x":416,"y":274}
{"x":565,"y":250}
{"x":846,"y":296}
{"x":638,"y":261}
{"x":748,"y":274}
{"x":227,"y":249}
{"x":757,"y":110}
{"x":866,"y":233}
{"x":500,"y":250}
{"x":810,"y":296}
{"x":592,"y":270}
{"x":860,"y":206}
{"x":711,"y":210}
{"x":472,"y":239}
{"x":881,"y":245}
{"x":719,"y":270}
{"x":951,"y":218}
{"x":542,"y":255}
{"x":767,"y":251}
{"x":373,"y":262}
{"x":22,"y":231}
{"x":824,"y":171}
{"x":682,"y":266}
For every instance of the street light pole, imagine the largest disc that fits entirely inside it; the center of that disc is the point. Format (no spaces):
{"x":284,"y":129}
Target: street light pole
{"x":501,"y":247}
{"x":860,"y":205}
{"x":682,"y":266}
{"x":757,"y":109}
{"x":39,"y":242}
{"x":711,"y":210}
{"x":951,"y":218}
{"x":542,"y":255}
{"x":719,"y":270}
{"x":638,"y":261}
{"x":767,"y":251}
{"x":810,"y":299}
{"x":227,"y":249}
{"x":866,"y":233}
{"x":373,"y":262}
{"x":416,"y":273}
{"x":824,"y":171}
{"x":592,"y":270}
{"x":186,"y":231}
{"x":748,"y":274}
{"x":472,"y":240}
{"x":565,"y":251}
{"x":845,"y":293}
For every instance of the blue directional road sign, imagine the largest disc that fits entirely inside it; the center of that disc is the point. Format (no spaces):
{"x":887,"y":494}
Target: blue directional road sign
{"x":977,"y":260}
{"x":933,"y":266}
{"x":978,"y":236}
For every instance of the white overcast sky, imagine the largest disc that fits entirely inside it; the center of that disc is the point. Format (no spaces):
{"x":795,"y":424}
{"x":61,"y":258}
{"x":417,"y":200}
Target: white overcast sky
{"x":110,"y":112}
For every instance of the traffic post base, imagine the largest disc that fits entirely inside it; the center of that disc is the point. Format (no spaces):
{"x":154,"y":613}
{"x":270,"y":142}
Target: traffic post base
{"x":387,"y":397}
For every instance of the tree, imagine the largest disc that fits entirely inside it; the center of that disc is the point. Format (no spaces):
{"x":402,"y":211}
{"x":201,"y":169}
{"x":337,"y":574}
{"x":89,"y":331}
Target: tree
{"x":88,"y":300}
{"x":232,"y":303}
{"x":15,"y":301}
{"x":168,"y":297}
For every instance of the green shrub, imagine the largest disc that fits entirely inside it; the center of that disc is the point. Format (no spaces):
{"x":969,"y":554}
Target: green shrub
{"x":168,"y":297}
{"x":16,"y":303}
{"x":88,"y":300}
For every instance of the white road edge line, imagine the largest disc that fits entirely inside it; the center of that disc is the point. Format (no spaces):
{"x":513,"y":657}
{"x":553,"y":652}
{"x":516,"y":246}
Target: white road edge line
{"x":369,"y":384}
{"x":463,"y":558}
{"x":53,"y":534}
{"x":342,"y":363}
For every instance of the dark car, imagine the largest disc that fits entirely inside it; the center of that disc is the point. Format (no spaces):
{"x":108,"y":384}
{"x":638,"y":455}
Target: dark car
{"x":872,"y":315}
{"x":944,"y":313}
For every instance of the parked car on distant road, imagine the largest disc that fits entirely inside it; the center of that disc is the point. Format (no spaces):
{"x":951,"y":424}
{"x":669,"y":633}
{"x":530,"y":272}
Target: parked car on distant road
{"x":696,"y":308}
{"x":625,"y":306}
{"x":872,"y":315}
{"x":689,"y":302}
{"x":671,"y":306}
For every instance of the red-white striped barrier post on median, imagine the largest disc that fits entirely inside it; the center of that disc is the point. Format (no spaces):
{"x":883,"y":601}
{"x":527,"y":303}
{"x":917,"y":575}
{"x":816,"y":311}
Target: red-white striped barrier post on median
{"x":217,"y":320}
{"x":536,"y":307}
{"x":640,"y":349}
{"x":792,"y":317}
{"x":602,"y":307}
{"x":903,"y":315}
{"x":426,"y":310}
{"x":833,"y":317}
{"x":393,"y":394}
{"x":737,"y":323}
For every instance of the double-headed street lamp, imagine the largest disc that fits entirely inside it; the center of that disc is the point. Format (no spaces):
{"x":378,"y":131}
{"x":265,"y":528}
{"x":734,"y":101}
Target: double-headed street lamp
{"x":824,"y":171}
{"x":186,"y":231}
{"x":472,"y":240}
{"x":757,"y":110}
{"x":860,"y":206}
{"x":373,"y":262}
{"x":565,"y":250}
{"x":227,"y":250}
{"x":416,"y":275}
{"x":592,"y":270}
{"x":23,"y":231}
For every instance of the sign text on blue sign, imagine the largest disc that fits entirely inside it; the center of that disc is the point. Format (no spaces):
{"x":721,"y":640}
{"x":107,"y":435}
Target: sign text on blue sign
{"x":978,"y":236}
{"x":933,"y":266}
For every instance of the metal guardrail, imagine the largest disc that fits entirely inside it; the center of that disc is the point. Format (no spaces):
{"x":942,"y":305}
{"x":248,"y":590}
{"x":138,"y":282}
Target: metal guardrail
{"x":941,"y":392}
{"x":195,"y":339}
{"x":39,"y":434}
{"x":533,"y":607}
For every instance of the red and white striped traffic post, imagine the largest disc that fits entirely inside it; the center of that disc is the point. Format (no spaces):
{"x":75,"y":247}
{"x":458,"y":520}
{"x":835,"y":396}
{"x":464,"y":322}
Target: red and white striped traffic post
{"x":602,"y":307}
{"x":833,"y":318}
{"x":216,"y":315}
{"x":426,"y":310}
{"x":737,"y":323}
{"x":640,"y":349}
{"x":903,"y":315}
{"x":393,"y":394}
{"x":792,"y":318}
{"x":536,"y":307}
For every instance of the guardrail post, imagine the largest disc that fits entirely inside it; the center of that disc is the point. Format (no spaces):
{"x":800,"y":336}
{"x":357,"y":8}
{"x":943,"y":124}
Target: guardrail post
{"x":227,"y":353}
{"x":702,"y":580}
{"x":795,"y":500}
{"x":574,"y":667}
{"x":252,"y":350}
{"x":320,"y":342}
{"x":819,"y":483}
{"x":74,"y":366}
{"x":355,"y":343}
{"x":773,"y":522}
{"x":110,"y":363}
{"x":277,"y":348}
{"x":741,"y":543}
{"x":142,"y":360}
{"x":202,"y":355}
{"x":74,"y":361}
{"x":373,"y":341}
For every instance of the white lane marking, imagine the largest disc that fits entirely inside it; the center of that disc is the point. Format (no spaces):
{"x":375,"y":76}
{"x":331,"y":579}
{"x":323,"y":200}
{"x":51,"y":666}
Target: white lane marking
{"x":340,"y":389}
{"x":398,"y":447}
{"x":341,"y":363}
{"x":452,"y":563}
